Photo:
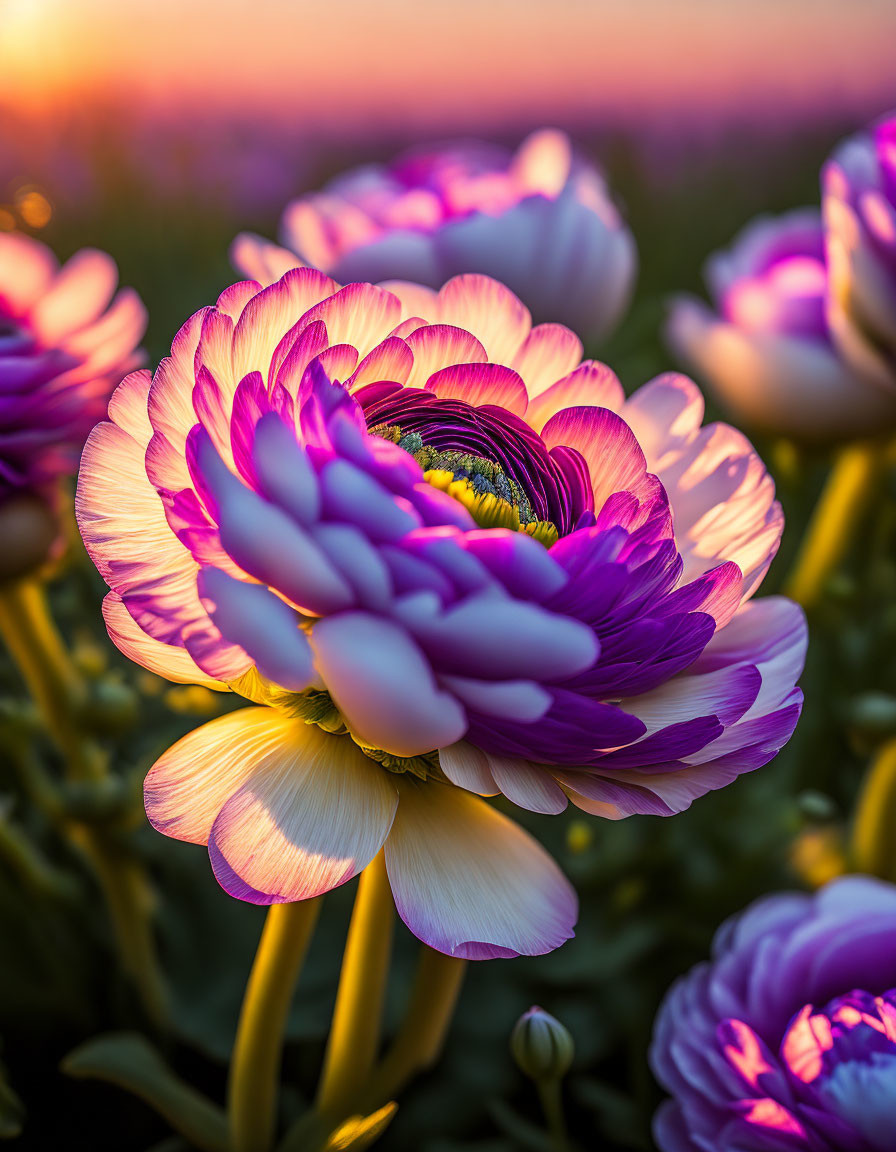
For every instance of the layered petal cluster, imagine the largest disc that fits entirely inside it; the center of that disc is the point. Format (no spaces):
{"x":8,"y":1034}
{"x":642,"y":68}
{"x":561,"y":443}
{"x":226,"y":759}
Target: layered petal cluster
{"x":786,"y":1040}
{"x":540,"y":220}
{"x":446,"y":559}
{"x":859,"y":207}
{"x":64,"y":345}
{"x":765,"y":345}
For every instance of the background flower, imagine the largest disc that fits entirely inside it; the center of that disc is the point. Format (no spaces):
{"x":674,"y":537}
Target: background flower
{"x":64,"y":345}
{"x":786,"y":1039}
{"x":461,"y":559}
{"x":765,"y":347}
{"x":540,"y":220}
{"x":859,"y":206}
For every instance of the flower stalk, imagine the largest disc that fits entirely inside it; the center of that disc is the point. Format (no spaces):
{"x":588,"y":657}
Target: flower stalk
{"x":257,"y":1050}
{"x":421,"y":1036}
{"x":835,"y":521}
{"x":872,"y":838}
{"x":357,"y":1017}
{"x":58,"y":691}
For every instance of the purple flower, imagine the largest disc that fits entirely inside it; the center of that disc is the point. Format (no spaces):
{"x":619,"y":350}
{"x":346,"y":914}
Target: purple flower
{"x":63,"y":348}
{"x":859,"y":206}
{"x":446,"y":559}
{"x":539,"y":220}
{"x":765,"y":347}
{"x":786,"y":1040}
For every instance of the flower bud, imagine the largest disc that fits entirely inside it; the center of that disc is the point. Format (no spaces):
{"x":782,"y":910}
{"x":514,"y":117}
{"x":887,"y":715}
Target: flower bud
{"x":29,"y":531}
{"x":541,"y":1045}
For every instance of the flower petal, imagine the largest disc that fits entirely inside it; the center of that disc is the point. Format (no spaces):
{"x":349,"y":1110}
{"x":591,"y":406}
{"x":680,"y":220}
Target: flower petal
{"x":167,"y":660}
{"x":312,"y":814}
{"x":469,"y":882}
{"x":383,"y":685}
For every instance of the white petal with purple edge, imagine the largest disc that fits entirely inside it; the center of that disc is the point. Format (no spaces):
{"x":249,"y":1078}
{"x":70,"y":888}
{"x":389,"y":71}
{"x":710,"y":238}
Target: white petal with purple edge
{"x":312,"y":814}
{"x":469,"y":882}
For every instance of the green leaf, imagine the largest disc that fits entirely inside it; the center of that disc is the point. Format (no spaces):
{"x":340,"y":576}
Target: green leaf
{"x":131,"y":1062}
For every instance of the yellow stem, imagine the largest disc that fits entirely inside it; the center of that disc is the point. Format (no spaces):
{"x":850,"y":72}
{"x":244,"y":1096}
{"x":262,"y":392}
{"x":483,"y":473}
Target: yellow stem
{"x":421,"y":1037}
{"x":873,"y":847}
{"x":837,"y":518}
{"x":59,"y":692}
{"x":257,"y":1050}
{"x":357,"y":1017}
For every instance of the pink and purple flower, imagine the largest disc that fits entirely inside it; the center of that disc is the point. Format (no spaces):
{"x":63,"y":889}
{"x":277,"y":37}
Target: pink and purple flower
{"x":446,"y":559}
{"x":859,"y":206}
{"x":64,"y":345}
{"x":786,"y":1040}
{"x":540,"y":220}
{"x":765,"y":346}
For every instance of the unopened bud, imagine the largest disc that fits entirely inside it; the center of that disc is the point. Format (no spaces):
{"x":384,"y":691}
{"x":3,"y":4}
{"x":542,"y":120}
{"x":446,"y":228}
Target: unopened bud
{"x":541,"y":1046}
{"x":29,"y":533}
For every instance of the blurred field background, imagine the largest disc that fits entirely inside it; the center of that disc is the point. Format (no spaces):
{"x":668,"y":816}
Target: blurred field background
{"x":157,"y":131}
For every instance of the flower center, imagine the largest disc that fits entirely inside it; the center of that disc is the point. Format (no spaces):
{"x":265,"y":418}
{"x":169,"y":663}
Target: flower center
{"x":493,"y":499}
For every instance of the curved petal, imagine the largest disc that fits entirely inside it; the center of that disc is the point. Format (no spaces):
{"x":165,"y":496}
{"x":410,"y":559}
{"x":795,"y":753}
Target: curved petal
{"x":260,"y":259}
{"x":312,"y":814}
{"x":490,"y":311}
{"x":469,"y":882}
{"x":166,"y":660}
{"x":187,"y":786}
{"x":384,"y":686}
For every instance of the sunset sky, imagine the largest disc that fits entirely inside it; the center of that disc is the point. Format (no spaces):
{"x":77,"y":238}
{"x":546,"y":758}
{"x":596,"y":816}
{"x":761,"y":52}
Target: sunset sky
{"x":352,"y":62}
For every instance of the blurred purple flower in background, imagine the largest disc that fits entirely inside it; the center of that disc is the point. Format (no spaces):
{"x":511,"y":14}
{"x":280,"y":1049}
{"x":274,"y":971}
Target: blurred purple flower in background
{"x":540,"y":220}
{"x":786,"y":1040}
{"x":63,"y":348}
{"x":764,"y":346}
{"x":800,"y":339}
{"x":859,"y":206}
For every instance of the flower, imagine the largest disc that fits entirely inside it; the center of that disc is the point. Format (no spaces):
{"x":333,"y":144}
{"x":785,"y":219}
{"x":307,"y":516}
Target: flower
{"x":765,"y":347}
{"x":859,"y":207}
{"x":470,"y":568}
{"x":786,"y":1040}
{"x":539,"y":220}
{"x":63,"y":348}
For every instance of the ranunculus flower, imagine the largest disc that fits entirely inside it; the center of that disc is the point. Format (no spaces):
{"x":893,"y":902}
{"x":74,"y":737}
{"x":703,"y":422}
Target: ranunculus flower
{"x":63,"y":348}
{"x":859,"y":206}
{"x":540,"y":220}
{"x":446,"y":559}
{"x":786,"y":1040}
{"x":765,"y":347}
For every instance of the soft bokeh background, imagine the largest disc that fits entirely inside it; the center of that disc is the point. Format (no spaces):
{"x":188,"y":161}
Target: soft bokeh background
{"x":157,"y":129}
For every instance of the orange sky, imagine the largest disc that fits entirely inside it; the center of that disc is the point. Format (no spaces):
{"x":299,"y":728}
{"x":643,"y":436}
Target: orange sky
{"x":361,"y":60}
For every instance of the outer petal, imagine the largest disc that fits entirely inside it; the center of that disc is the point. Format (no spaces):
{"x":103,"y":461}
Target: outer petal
{"x":167,"y":660}
{"x":259,"y":258}
{"x":469,"y":882}
{"x":311,"y":815}
{"x":490,"y":311}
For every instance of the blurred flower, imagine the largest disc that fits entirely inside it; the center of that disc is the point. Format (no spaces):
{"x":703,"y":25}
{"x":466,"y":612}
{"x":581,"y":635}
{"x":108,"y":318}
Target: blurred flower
{"x":63,"y":348}
{"x":541,"y":1045}
{"x":765,"y":348}
{"x":786,"y":1040}
{"x":859,"y":206}
{"x":460,"y":558}
{"x":540,"y":220}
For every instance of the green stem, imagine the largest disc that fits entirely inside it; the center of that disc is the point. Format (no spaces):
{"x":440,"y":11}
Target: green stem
{"x":421,"y":1037}
{"x":257,"y":1050}
{"x":836,"y":520}
{"x":59,"y":692}
{"x":873,"y":850}
{"x":550,"y":1095}
{"x":357,"y":1017}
